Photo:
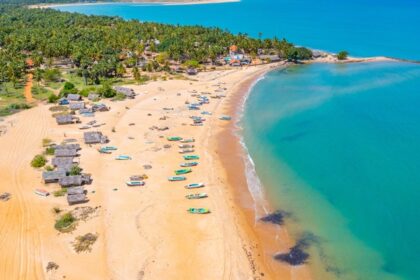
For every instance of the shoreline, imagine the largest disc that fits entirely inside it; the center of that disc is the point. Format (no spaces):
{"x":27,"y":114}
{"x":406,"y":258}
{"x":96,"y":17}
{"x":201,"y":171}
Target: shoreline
{"x":151,"y":2}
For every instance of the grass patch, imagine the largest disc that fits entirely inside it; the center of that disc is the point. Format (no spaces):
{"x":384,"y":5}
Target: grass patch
{"x":61,"y":192}
{"x":41,"y":93}
{"x":46,"y":142}
{"x":65,"y":223}
{"x":49,"y":151}
{"x":38,"y":161}
{"x":84,"y":243}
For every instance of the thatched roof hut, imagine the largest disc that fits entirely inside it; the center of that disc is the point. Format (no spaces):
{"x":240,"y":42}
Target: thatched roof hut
{"x":76,"y":198}
{"x":100,"y":107}
{"x":67,"y":146}
{"x":77,"y":105}
{"x":66,"y":119}
{"x":86,"y":111}
{"x":65,"y":153}
{"x":128,"y":92}
{"x":74,"y":97}
{"x":70,"y":181}
{"x":62,"y":161}
{"x":94,"y":137}
{"x":53,"y":176}
{"x":75,"y":190}
{"x":93,"y":96}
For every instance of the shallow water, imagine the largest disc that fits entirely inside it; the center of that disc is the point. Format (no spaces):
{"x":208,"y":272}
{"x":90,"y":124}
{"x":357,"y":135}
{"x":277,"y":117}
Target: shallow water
{"x":338,"y":147}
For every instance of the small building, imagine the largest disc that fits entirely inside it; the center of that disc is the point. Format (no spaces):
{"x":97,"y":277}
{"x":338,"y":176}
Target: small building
{"x":93,"y":96}
{"x":63,"y":101}
{"x":76,"y":190}
{"x":74,"y":97}
{"x":66,"y":119}
{"x":65,"y":153}
{"x":94,"y":137}
{"x":128,"y":92}
{"x":235,"y":63}
{"x":62,"y":161}
{"x":192,"y":71}
{"x":76,"y":198}
{"x":67,"y":146}
{"x":76,"y":180}
{"x":100,"y":107}
{"x":85,"y":111}
{"x":52,"y":176}
{"x":77,"y":106}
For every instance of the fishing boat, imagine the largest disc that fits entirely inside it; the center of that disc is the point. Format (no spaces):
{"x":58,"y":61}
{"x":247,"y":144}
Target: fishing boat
{"x":177,"y":178}
{"x":225,"y":118}
{"x":174,"y":138}
{"x":196,"y":196}
{"x":191,"y":157}
{"x":194,"y":186}
{"x":186,"y":146}
{"x":198,"y":210}
{"x":185,"y":151}
{"x":42,"y":192}
{"x":123,"y":157}
{"x":183,"y":171}
{"x":189,"y":164}
{"x":84,"y":127}
{"x":103,"y":151}
{"x":135,"y":183}
{"x":110,"y":148}
{"x":188,"y":140}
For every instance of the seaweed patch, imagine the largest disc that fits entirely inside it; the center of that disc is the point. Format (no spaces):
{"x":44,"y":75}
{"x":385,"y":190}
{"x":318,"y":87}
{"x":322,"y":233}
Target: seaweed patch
{"x":277,"y":217}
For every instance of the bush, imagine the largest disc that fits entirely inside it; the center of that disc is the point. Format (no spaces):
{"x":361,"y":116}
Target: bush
{"x":49,"y":151}
{"x":84,"y":242}
{"x":342,"y":55}
{"x":52,"y":98}
{"x":75,"y":170}
{"x":68,"y":86}
{"x":192,"y":64}
{"x":52,"y":75}
{"x":85,"y":92}
{"x":46,"y":142}
{"x":65,"y":222}
{"x":60,"y":192}
{"x":49,"y":168}
{"x":38,"y":161}
{"x":107,"y":91}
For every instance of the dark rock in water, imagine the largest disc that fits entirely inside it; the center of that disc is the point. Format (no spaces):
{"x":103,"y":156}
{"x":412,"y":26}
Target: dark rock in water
{"x":276,"y":218}
{"x":296,"y":256}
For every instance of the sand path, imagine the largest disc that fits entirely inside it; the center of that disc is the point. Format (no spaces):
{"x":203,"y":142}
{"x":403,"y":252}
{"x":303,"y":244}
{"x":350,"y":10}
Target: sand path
{"x":28,"y":88}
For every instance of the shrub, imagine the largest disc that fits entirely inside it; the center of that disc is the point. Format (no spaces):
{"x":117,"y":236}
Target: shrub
{"x":46,"y":142}
{"x":65,"y":222}
{"x":107,"y":91}
{"x":84,"y":242}
{"x":342,"y":55}
{"x":38,"y":161}
{"x":52,"y":98}
{"x":49,"y":151}
{"x":75,"y":170}
{"x":60,"y":192}
{"x":49,"y":168}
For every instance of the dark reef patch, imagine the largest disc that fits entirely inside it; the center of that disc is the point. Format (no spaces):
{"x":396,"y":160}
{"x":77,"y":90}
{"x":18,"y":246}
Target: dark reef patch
{"x":277,"y":217}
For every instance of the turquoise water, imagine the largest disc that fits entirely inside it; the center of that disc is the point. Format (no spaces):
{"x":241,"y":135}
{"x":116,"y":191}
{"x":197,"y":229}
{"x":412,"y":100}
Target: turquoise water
{"x":364,"y":28}
{"x":335,"y":145}
{"x":338,"y":146}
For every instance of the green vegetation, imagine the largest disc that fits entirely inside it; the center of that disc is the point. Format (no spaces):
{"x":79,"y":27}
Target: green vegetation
{"x":46,"y":142}
{"x":13,"y":108}
{"x":49,"y":151}
{"x":49,"y":168}
{"x":38,"y":161}
{"x":41,"y":93}
{"x":107,"y":91}
{"x":342,"y":55}
{"x":65,"y":223}
{"x":75,"y":170}
{"x":61,"y":192}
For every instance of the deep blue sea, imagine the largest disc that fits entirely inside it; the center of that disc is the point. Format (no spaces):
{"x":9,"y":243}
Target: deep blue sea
{"x":336,"y":146}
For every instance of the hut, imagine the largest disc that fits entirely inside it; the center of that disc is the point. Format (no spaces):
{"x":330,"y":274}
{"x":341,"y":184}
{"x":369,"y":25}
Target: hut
{"x":76,"y":180}
{"x":52,"y":176}
{"x":77,"y":106}
{"x":86,"y":111}
{"x":128,"y":92}
{"x":74,"y":97}
{"x":76,"y":198}
{"x":62,"y":161}
{"x":93,"y":96}
{"x":192,"y":71}
{"x":67,"y":146}
{"x":100,"y":107}
{"x":65,"y":153}
{"x":75,"y":190}
{"x":94,"y":137}
{"x":66,"y":119}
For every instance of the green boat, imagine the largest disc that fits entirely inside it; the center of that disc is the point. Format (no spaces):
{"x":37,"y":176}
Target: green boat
{"x":174,"y":138}
{"x":194,"y":186}
{"x":103,"y":151}
{"x":183,"y":171}
{"x":191,"y":157}
{"x":189,"y":164}
{"x":198,"y":210}
{"x":196,"y":196}
{"x":177,"y":178}
{"x":109,"y":148}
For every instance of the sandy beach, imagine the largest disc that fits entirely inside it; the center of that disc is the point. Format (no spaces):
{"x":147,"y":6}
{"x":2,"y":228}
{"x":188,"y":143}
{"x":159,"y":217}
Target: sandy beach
{"x":144,"y":232}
